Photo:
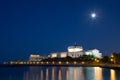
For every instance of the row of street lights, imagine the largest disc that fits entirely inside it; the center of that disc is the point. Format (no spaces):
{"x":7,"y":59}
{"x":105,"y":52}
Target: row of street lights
{"x":38,"y":63}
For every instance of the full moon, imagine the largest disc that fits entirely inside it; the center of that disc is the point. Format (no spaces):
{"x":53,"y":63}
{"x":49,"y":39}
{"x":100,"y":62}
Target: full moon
{"x":93,"y":15}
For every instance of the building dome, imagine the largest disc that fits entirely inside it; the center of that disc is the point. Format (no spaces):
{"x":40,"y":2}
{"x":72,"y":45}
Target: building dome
{"x":75,"y":48}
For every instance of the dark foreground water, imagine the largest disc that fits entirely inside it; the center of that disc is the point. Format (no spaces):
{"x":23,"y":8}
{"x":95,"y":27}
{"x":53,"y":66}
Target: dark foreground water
{"x":58,"y":73}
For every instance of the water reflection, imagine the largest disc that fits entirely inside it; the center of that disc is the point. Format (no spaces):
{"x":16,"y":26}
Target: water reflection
{"x":89,"y":73}
{"x":53,"y":72}
{"x":112,"y":74}
{"x":59,"y":75}
{"x":67,"y":77}
{"x":66,"y":73}
{"x":74,"y":74}
{"x":41,"y":74}
{"x":98,"y":73}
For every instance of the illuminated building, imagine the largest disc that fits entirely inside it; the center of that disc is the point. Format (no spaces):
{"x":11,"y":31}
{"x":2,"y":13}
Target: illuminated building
{"x":77,"y":51}
{"x":94,"y":52}
{"x":74,"y":51}
{"x":58,"y":55}
{"x":53,"y":55}
{"x":37,"y":57}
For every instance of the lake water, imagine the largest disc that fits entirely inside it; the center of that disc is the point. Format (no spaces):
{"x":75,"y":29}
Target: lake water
{"x":58,"y":73}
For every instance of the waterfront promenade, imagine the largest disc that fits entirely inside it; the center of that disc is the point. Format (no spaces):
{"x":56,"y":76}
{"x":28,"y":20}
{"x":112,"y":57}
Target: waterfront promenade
{"x":66,"y":64}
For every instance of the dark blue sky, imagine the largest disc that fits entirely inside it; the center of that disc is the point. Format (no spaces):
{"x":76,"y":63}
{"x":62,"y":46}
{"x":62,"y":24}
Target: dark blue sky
{"x":46,"y":26}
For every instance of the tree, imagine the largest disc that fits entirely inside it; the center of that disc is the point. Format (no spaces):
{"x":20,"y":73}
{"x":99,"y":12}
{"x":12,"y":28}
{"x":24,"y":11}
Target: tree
{"x":105,"y":59}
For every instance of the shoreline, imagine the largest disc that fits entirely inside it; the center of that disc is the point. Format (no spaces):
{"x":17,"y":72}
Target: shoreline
{"x":115,"y":67}
{"x":66,"y":65}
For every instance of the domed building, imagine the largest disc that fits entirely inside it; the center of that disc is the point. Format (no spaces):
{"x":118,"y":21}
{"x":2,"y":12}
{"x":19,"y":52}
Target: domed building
{"x":75,"y":48}
{"x":75,"y":51}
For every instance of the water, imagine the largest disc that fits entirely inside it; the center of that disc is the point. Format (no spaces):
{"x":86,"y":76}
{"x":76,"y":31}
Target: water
{"x":58,"y":73}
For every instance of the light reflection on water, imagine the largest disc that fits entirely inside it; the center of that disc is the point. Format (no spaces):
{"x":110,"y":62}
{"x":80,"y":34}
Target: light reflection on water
{"x":112,"y":74}
{"x":98,"y":73}
{"x":66,"y":73}
{"x":67,"y":77}
{"x":53,"y":72}
{"x":41,"y":74}
{"x":59,"y":73}
{"x":47,"y":74}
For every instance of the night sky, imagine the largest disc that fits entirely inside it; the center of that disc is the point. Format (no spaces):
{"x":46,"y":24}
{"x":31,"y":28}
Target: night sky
{"x":46,"y":26}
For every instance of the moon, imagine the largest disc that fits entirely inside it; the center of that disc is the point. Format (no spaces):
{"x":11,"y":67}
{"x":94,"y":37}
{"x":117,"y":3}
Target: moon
{"x":93,"y":15}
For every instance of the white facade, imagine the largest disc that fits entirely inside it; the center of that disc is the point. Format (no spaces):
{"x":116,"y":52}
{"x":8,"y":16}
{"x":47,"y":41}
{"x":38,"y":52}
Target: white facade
{"x":75,"y":51}
{"x":58,"y":55}
{"x":37,"y":57}
{"x":53,"y":55}
{"x":95,"y":52}
{"x":63,"y":54}
{"x":34,"y":57}
{"x":75,"y":48}
{"x":76,"y":54}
